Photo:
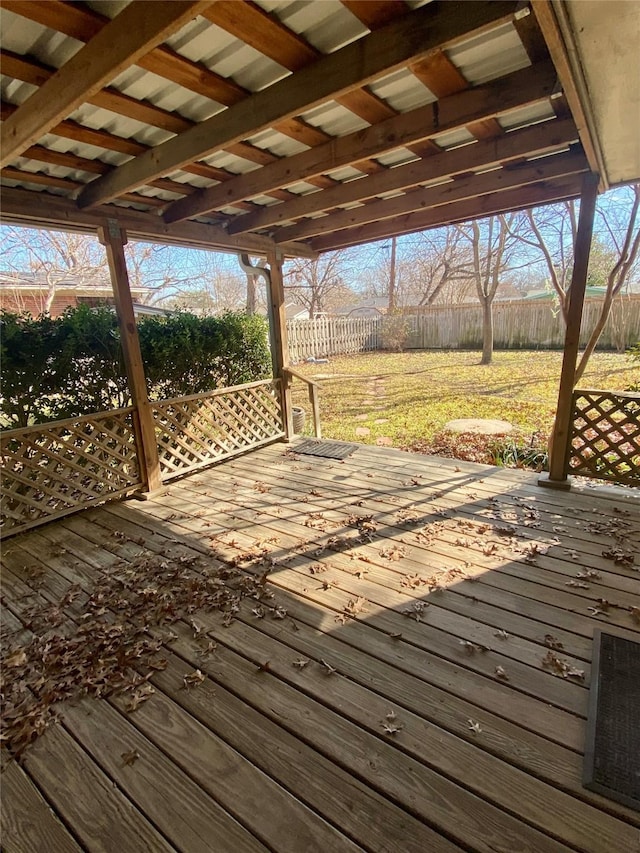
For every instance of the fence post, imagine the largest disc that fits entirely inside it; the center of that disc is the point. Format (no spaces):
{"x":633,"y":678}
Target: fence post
{"x":114,"y":239}
{"x":561,"y":435}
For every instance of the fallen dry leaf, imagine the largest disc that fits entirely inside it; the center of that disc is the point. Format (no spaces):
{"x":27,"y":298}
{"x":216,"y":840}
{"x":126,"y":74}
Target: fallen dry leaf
{"x":500,"y":673}
{"x":16,"y":658}
{"x":474,"y":726}
{"x":193,"y":679}
{"x":129,"y":758}
{"x":300,"y":663}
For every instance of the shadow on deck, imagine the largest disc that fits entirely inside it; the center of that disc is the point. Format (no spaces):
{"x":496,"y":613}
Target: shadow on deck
{"x":418,"y":681}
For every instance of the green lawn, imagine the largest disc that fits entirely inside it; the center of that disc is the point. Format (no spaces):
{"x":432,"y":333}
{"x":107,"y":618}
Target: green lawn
{"x":405,"y":399}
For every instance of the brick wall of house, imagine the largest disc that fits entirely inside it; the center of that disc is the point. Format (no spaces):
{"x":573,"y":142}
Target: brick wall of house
{"x":31,"y":302}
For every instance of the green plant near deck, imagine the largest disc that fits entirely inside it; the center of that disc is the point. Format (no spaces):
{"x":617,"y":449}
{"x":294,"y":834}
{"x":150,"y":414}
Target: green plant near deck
{"x":72,"y":365}
{"x":634,"y":353}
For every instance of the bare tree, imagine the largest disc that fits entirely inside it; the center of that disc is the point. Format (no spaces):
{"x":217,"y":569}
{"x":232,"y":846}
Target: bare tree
{"x":627,"y":246}
{"x":551,"y":232}
{"x":50,"y":258}
{"x":437,"y":268}
{"x":492,"y":246}
{"x":318,"y":284}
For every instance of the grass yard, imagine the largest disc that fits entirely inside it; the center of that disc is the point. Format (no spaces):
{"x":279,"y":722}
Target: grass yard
{"x":405,"y":399}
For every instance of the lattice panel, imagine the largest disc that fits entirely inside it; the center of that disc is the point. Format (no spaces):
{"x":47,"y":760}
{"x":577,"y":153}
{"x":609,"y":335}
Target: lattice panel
{"x":605,"y":441}
{"x":57,"y":468}
{"x":198,"y":430}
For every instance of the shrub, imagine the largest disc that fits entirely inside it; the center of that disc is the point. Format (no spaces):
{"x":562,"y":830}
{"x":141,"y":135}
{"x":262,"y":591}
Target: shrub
{"x":395,"y":332}
{"x":634,"y":353}
{"x":73,"y":365}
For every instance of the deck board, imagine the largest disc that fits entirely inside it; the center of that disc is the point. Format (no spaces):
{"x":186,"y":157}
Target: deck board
{"x":268,"y":755}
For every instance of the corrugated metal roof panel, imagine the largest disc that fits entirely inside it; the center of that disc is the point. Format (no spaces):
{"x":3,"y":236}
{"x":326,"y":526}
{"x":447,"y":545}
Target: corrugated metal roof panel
{"x":327,"y":25}
{"x":334,"y":119}
{"x":402,"y":90}
{"x":490,"y":54}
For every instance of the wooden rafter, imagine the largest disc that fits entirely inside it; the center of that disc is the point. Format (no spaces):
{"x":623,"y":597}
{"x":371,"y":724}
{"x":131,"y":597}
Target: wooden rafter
{"x":134,"y":32}
{"x":518,"y":89}
{"x":533,"y":141}
{"x":375,"y":13}
{"x":470,"y":187}
{"x":69,"y":129}
{"x":83,"y":23}
{"x":49,"y":211}
{"x":350,"y":67}
{"x":543,"y":192}
{"x":36,"y":73}
{"x":266,"y":34}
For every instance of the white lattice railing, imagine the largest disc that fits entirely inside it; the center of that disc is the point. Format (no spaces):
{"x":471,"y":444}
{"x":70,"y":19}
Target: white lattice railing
{"x":53,"y":469}
{"x":605,"y":438}
{"x":200,"y":429}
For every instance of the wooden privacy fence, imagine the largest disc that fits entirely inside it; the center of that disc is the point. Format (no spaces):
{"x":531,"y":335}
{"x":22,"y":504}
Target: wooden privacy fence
{"x":605,"y":437}
{"x":332,"y":336}
{"x":51,"y":470}
{"x":517,"y":325}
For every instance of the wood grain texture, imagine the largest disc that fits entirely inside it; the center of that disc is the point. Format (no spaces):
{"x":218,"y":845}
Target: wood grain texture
{"x":292,"y":755}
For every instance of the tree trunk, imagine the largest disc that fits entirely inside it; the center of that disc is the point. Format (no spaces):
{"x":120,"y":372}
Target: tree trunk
{"x":392,"y":277}
{"x":487,"y":332}
{"x":251,"y":294}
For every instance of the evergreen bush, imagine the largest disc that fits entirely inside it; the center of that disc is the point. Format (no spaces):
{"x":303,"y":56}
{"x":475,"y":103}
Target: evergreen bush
{"x":72,"y":365}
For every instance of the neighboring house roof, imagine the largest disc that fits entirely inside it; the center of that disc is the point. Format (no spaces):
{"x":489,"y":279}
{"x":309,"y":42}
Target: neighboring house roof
{"x":33,"y":283}
{"x":551,"y":294}
{"x":370,"y":305}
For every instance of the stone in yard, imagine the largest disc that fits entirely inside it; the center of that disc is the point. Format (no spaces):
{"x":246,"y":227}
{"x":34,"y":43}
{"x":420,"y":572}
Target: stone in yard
{"x":362,"y":431}
{"x":384,"y":441}
{"x":381,"y":421}
{"x":362,"y":417}
{"x":479,"y":426}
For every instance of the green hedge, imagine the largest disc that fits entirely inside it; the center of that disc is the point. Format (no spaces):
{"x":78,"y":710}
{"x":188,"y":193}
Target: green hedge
{"x":70,"y":366}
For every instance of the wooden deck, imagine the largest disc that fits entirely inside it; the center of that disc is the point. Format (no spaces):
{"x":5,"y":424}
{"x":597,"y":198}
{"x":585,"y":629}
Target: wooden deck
{"x":417,"y":682}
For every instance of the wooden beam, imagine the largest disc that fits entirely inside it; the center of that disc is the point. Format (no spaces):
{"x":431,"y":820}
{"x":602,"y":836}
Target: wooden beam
{"x":134,"y":32}
{"x":514,"y":90}
{"x":352,"y":66}
{"x":546,"y":168}
{"x":532,"y":141}
{"x":374,"y":13}
{"x":114,"y":239}
{"x":263,"y":32}
{"x":69,"y":129}
{"x":561,"y":436}
{"x":572,"y":81}
{"x":278,"y":338}
{"x":532,"y":195}
{"x":266,"y":34}
{"x":83,"y":23}
{"x":38,"y":209}
{"x":46,"y":180}
{"x":38,"y":74}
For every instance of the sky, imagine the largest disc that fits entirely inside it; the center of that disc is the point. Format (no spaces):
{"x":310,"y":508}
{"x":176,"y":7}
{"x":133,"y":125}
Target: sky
{"x":190,"y":264}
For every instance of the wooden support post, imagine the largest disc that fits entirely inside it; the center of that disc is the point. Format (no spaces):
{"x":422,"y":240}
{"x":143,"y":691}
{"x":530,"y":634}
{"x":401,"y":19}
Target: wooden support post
{"x":114,"y":239}
{"x":561,"y":436}
{"x":315,"y":408}
{"x":278,"y":338}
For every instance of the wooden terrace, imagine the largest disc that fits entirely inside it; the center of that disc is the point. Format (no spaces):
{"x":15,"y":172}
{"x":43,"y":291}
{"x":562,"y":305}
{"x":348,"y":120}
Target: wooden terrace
{"x":412,"y":674}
